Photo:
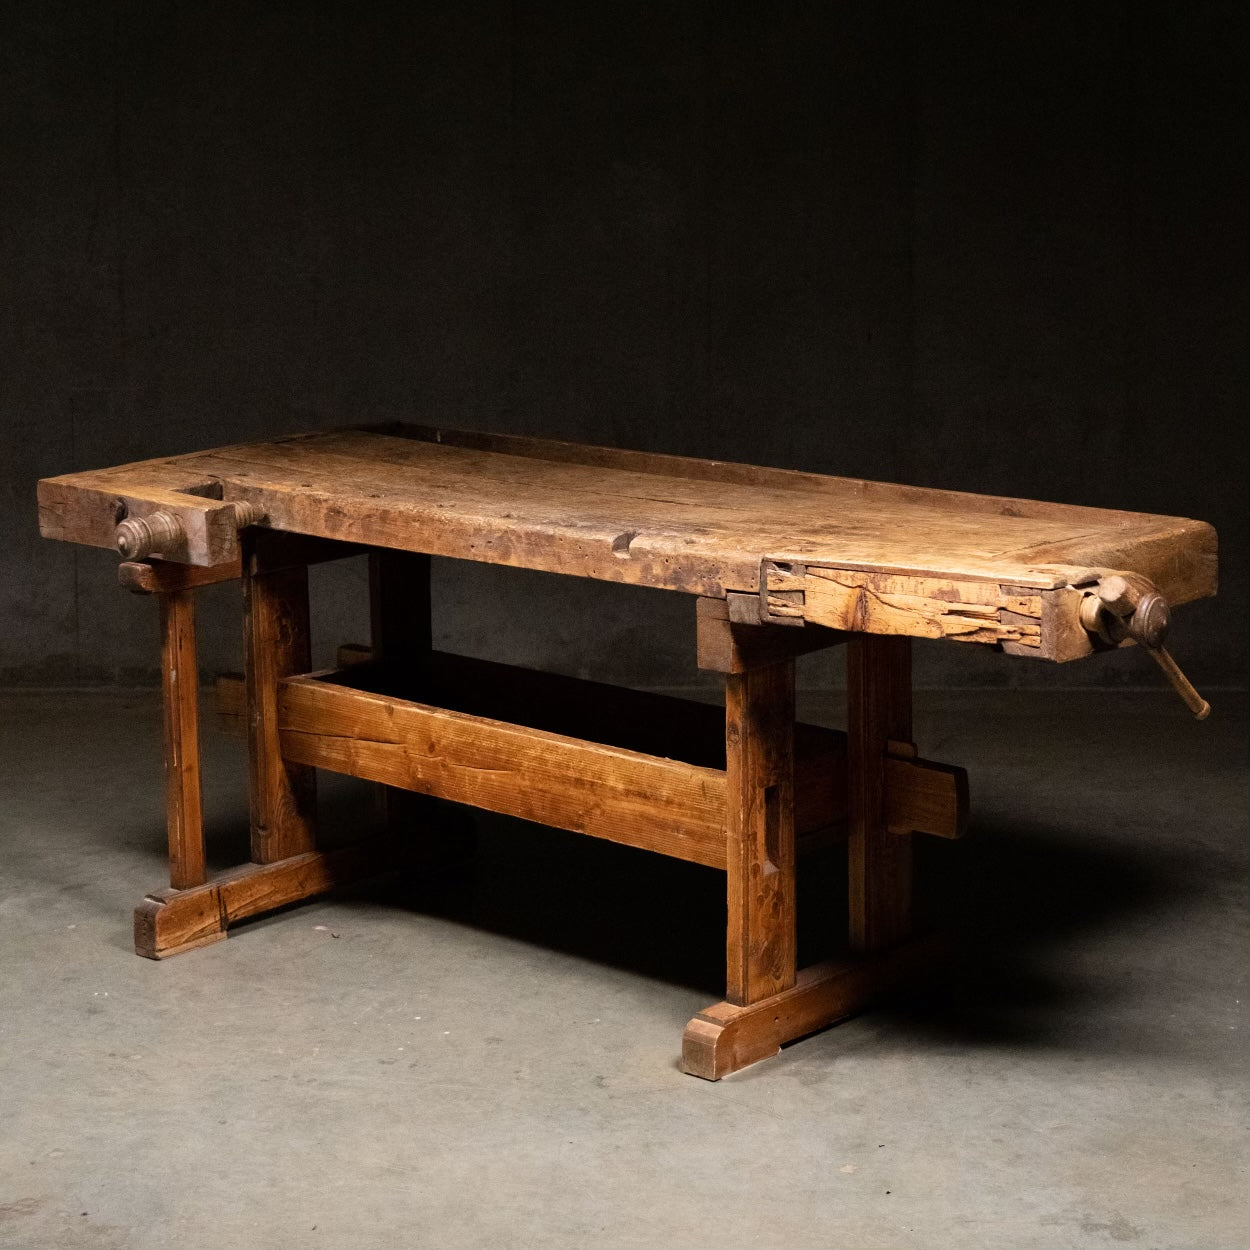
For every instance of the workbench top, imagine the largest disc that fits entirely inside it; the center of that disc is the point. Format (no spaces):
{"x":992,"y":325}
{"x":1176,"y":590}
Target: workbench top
{"x":698,"y":526}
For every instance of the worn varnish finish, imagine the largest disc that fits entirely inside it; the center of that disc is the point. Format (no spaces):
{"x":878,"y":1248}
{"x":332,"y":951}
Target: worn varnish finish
{"x":890,"y":796}
{"x":783,"y":564}
{"x":921,"y":796}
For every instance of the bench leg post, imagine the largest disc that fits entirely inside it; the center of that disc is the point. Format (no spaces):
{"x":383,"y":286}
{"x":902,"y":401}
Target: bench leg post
{"x":286,"y":867}
{"x":760,"y":943}
{"x":759,"y":741}
{"x":879,"y":863}
{"x":767,"y":1003}
{"x":281,"y":796}
{"x":180,"y":715}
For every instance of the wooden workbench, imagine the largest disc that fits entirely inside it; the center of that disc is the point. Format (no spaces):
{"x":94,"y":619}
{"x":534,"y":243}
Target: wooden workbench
{"x":780,"y":563}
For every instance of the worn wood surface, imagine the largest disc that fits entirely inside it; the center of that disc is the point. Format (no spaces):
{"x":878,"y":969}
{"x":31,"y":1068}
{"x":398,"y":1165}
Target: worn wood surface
{"x":879,"y":863}
{"x":922,"y":607}
{"x":180,"y":708}
{"x":723,"y":646}
{"x":759,"y":829}
{"x":281,"y":796}
{"x":169,"y":922}
{"x":727,"y":1037}
{"x":703,"y":527}
{"x":88,"y":507}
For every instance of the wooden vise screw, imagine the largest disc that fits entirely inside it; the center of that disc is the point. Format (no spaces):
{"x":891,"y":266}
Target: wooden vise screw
{"x":139,"y":537}
{"x":1126,"y":605}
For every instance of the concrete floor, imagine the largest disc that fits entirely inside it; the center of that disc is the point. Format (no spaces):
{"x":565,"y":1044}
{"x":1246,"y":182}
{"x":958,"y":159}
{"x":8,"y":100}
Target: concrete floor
{"x":490,"y":1060}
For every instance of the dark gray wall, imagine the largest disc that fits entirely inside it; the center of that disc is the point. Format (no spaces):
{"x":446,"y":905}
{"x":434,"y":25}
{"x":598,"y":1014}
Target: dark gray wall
{"x":984,"y":246}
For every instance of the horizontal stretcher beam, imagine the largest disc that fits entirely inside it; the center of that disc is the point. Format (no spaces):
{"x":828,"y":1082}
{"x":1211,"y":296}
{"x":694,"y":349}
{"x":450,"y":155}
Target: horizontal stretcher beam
{"x":923,"y":797}
{"x":663,"y":805}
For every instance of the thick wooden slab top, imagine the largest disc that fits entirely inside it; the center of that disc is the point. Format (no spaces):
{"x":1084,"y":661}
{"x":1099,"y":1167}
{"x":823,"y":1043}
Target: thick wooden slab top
{"x":699,"y":526}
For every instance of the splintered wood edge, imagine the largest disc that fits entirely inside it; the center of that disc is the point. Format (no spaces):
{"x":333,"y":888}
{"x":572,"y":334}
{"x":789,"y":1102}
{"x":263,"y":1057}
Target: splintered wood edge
{"x":724,"y":644}
{"x":959,"y":609}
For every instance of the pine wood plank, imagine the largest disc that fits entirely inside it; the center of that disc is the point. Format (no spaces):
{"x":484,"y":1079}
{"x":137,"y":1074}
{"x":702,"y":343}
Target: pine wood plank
{"x":699,"y":730}
{"x":637,"y":720}
{"x":629,"y":526}
{"x":623,"y":796}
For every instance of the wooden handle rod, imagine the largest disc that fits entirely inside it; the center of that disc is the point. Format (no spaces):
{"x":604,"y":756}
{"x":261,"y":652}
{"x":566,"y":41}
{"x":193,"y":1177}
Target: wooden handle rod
{"x":1127,"y":605}
{"x":1180,"y":683}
